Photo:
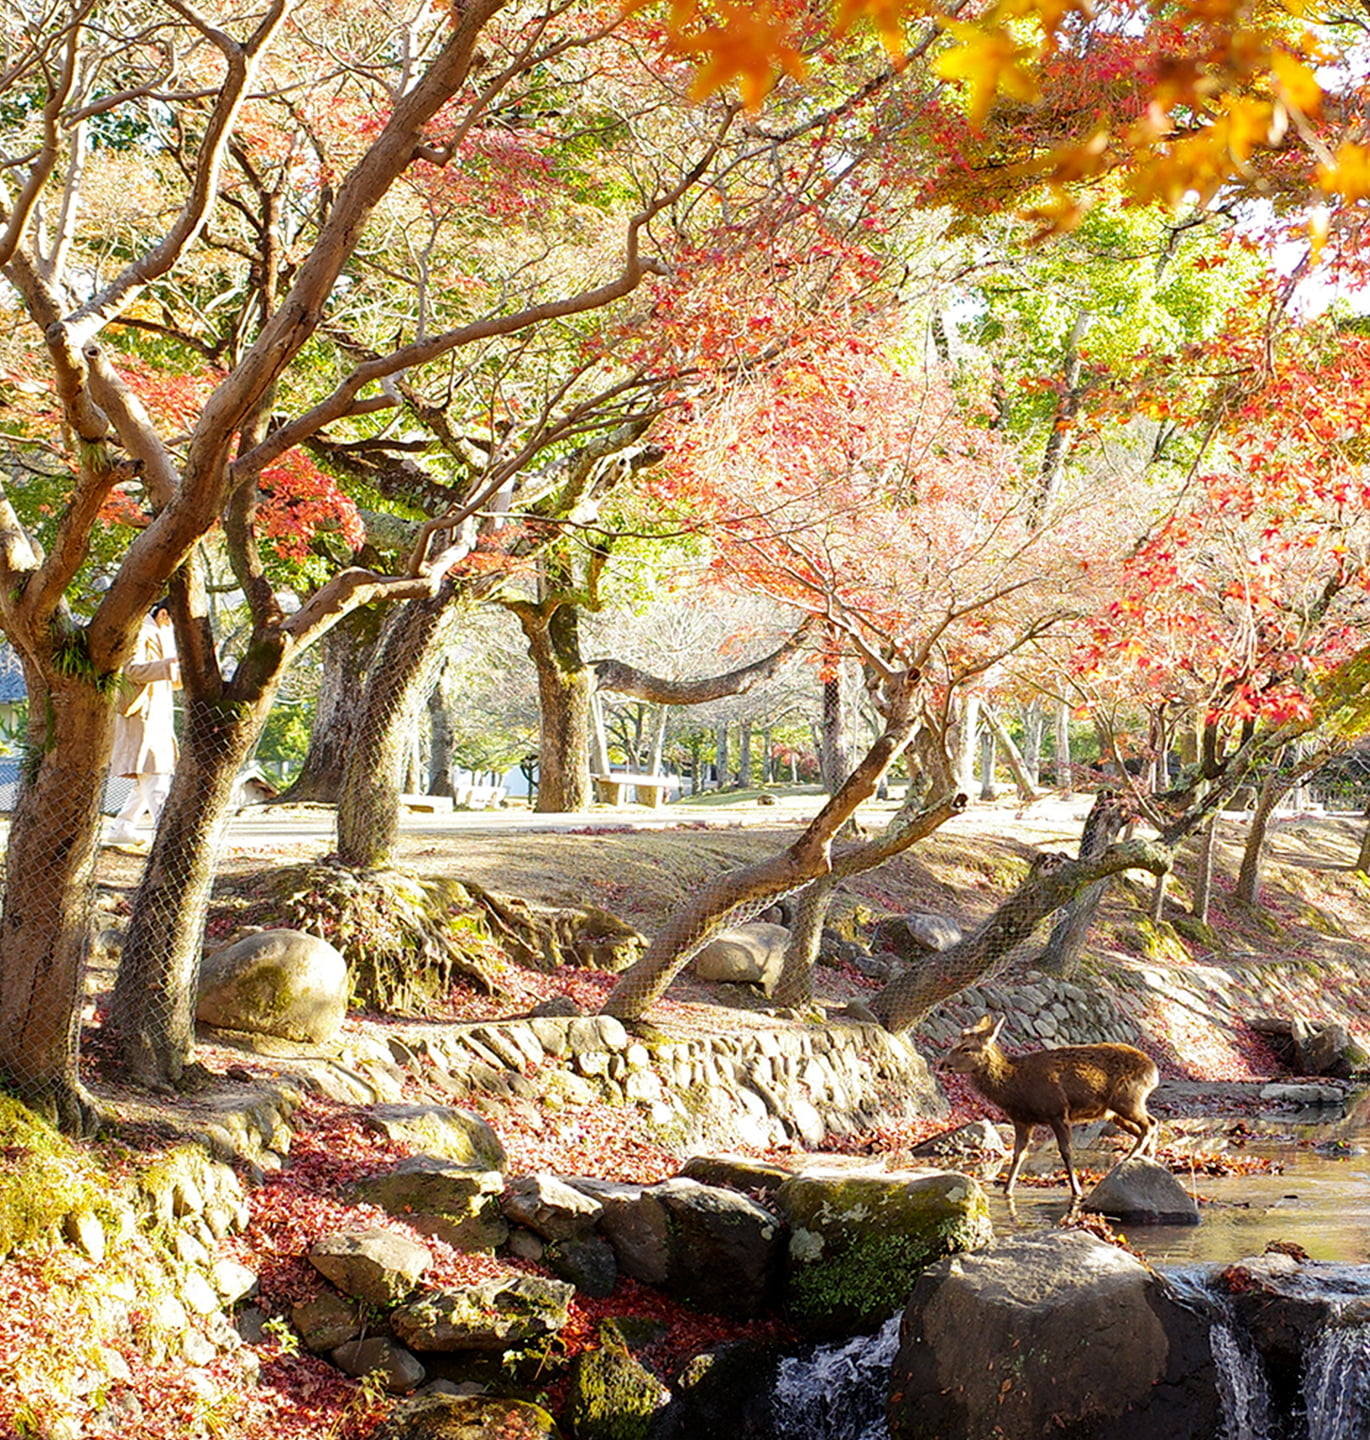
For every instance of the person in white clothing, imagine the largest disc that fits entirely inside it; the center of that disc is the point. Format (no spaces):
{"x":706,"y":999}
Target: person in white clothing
{"x":144,"y":725}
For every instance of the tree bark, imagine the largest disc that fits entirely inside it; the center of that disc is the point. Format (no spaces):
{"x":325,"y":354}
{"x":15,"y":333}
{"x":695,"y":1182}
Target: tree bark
{"x":625,"y":679}
{"x":1062,"y":769}
{"x":1052,"y":881}
{"x":1203,"y":874}
{"x":967,"y":737}
{"x":1032,"y":744}
{"x":794,"y":989}
{"x":834,"y":762}
{"x":565,"y":684}
{"x":441,"y":777}
{"x":49,"y":879}
{"x":1268,"y":797}
{"x":407,"y":654}
{"x":988,"y":756}
{"x":1061,"y":954}
{"x":152,"y":1009}
{"x":1024,"y":775}
{"x":345,"y":653}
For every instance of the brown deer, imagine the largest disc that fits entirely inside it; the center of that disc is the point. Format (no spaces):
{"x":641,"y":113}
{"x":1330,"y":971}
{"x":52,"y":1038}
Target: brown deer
{"x":1059,"y":1088}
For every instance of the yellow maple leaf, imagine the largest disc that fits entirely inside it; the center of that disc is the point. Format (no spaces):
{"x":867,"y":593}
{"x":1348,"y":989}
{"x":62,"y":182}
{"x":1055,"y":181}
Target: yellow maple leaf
{"x":1058,"y":216}
{"x":887,"y":16}
{"x":988,"y":59}
{"x":1295,"y":83}
{"x":1244,"y":124}
{"x":1349,"y":173}
{"x":751,"y":45}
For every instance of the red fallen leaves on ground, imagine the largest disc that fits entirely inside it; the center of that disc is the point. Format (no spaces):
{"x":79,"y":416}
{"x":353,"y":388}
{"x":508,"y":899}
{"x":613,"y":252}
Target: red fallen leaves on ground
{"x":301,"y":1395}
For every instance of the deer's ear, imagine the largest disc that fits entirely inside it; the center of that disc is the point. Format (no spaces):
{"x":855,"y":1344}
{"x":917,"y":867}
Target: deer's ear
{"x":982,"y":1026}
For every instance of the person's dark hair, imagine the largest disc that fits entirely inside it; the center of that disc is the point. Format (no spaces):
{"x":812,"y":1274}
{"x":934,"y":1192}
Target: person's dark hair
{"x":162,"y":607}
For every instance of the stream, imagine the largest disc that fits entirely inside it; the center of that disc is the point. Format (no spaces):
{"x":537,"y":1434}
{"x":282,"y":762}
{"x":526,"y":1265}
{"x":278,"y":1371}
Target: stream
{"x":1319,"y":1199}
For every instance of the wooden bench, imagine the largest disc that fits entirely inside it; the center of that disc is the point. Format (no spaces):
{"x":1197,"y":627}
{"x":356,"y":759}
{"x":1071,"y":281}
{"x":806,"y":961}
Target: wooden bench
{"x":649,"y":790}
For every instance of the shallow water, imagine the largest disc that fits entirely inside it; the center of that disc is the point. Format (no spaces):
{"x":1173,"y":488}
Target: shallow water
{"x":1318,"y":1201}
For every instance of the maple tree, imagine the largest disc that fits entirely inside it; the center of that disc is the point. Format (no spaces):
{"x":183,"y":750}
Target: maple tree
{"x":880,"y":503}
{"x":278,"y":302}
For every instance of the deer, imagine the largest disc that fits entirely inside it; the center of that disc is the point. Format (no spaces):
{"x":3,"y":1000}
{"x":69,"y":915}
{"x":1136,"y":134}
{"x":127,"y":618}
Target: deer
{"x":1060,"y":1088}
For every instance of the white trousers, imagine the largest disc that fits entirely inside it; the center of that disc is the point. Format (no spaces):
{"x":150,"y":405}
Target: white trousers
{"x":148,"y":794}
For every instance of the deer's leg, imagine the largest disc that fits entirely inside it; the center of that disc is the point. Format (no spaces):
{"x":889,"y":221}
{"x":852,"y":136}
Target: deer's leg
{"x":1021,"y":1135}
{"x":1061,"y":1130}
{"x":1146,"y":1143}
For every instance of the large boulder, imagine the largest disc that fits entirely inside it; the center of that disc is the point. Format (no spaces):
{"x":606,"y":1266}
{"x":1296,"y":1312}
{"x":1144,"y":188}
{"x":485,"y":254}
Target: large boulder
{"x":370,"y":1264}
{"x":723,"y":1248}
{"x":708,"y":1246}
{"x":443,"y":1130}
{"x":1141,"y":1192}
{"x":633,"y":1220}
{"x":910,"y":937}
{"x":551,"y":1207}
{"x":277,"y":982}
{"x":859,"y":1240}
{"x":466,"y":1417}
{"x":1057,"y":1333}
{"x":495,"y":1315}
{"x":751,"y":954}
{"x":612,"y":1395}
{"x":458,"y":1204}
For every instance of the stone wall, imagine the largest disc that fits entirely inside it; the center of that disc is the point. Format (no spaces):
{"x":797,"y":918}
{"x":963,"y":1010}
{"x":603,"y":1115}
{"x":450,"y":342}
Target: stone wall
{"x":756,"y":1087}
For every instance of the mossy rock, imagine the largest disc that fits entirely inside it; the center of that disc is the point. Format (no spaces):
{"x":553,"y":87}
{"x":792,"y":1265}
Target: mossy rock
{"x":612,"y":1396}
{"x":44,"y":1179}
{"x":407,"y":937}
{"x":1197,"y":932}
{"x":1161,"y":944}
{"x":467,"y":1417}
{"x":858,"y":1242}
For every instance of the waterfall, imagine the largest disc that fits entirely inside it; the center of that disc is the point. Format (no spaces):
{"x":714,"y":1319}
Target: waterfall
{"x":1241,"y":1383}
{"x":1247,"y":1411}
{"x":1336,"y":1384}
{"x":838,"y":1391}
{"x":1335,"y":1378}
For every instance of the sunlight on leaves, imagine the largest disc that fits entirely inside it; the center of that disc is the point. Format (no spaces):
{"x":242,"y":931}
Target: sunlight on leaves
{"x":988,"y":60}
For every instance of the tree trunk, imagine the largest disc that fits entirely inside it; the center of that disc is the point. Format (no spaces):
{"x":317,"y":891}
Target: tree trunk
{"x":744,"y":756}
{"x":721,"y":754}
{"x":345,"y":652}
{"x":442,"y":779}
{"x":1024,"y":777}
{"x":740,"y":894}
{"x":1064,"y":773}
{"x":968,"y":737}
{"x":988,"y":756}
{"x":1203,"y":877}
{"x":834,"y":762}
{"x":565,"y":684}
{"x":1051,"y":883}
{"x":408,"y":651}
{"x":1272,"y":790}
{"x":655,"y":762}
{"x":49,"y":880}
{"x":1033,"y":726}
{"x":795,"y":986}
{"x":1061,"y":954}
{"x":599,"y":740}
{"x":1363,"y":859}
{"x":152,"y":1010}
